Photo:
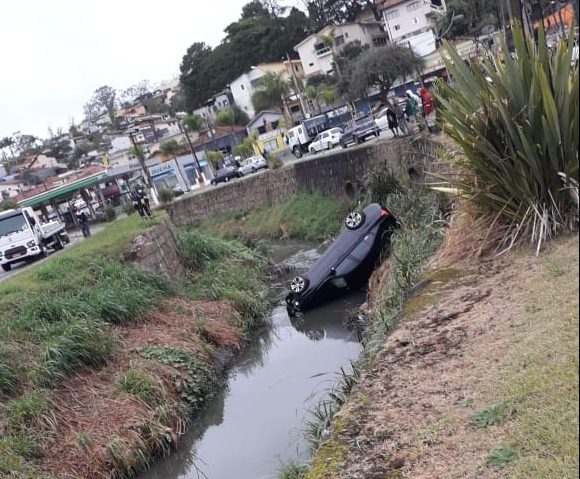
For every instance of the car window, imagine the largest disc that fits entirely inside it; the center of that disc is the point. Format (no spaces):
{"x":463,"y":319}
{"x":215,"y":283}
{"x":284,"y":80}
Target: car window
{"x":318,"y":138}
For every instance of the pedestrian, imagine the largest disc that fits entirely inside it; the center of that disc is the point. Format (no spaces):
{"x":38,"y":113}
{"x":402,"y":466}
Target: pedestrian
{"x":429,"y":112}
{"x":392,"y":119}
{"x":83,"y":221}
{"x":401,"y":122}
{"x":411,"y":109}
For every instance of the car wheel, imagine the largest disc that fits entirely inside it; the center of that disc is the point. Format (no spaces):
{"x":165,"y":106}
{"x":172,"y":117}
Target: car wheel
{"x":354,"y":220}
{"x":226,"y":179}
{"x":299,"y":284}
{"x":6,"y":267}
{"x":58,"y":243}
{"x":328,"y":146}
{"x":312,"y":151}
{"x":253,"y":170}
{"x":297,"y":152}
{"x":343,"y":145}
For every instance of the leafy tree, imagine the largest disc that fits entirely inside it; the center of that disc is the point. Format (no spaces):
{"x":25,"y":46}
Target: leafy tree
{"x":232,"y":116}
{"x":8,"y":142}
{"x":260,"y":35}
{"x":196,"y":86}
{"x":470,"y":17}
{"x":380,"y":67}
{"x":170,"y":148}
{"x":7,"y":204}
{"x":136,"y":91}
{"x":270,"y":92}
{"x":193,"y":122}
{"x":104,"y":100}
{"x":328,"y":12}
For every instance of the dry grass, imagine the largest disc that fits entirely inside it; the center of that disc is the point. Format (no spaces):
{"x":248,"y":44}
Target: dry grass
{"x":100,"y":431}
{"x":501,"y":335}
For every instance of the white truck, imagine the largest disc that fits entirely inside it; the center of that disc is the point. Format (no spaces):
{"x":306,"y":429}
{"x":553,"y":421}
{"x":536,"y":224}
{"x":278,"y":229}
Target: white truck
{"x":24,"y":237}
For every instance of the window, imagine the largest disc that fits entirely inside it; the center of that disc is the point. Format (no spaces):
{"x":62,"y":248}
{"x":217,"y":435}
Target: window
{"x":414,"y":6}
{"x":311,"y":64}
{"x":397,"y":27}
{"x":338,"y":41}
{"x":379,"y":41}
{"x":261,"y":130}
{"x":415,"y":21}
{"x":392,"y":14}
{"x":242,"y":87}
{"x":345,"y":35}
{"x":274,"y":125}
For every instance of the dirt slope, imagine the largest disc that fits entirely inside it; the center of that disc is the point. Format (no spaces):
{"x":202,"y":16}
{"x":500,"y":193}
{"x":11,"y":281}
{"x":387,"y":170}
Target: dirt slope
{"x":412,"y":414}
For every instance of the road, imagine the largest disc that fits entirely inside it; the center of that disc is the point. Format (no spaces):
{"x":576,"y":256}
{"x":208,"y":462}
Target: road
{"x":75,"y":237}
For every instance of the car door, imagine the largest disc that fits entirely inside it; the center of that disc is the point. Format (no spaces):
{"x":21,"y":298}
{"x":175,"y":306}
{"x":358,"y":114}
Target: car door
{"x":317,"y":143}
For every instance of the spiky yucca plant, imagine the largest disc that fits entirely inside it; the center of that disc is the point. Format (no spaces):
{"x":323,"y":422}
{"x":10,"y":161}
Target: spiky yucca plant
{"x":515,"y":120}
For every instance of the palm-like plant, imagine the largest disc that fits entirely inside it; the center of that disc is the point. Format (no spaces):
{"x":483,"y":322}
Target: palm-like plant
{"x":271,"y":91}
{"x":515,"y":120}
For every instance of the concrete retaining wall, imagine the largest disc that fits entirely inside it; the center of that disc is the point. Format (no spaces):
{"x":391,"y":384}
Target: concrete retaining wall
{"x":156,"y":251}
{"x":336,"y":174}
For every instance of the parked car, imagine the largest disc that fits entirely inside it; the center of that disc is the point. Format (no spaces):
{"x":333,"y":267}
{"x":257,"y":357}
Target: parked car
{"x":347,"y":263}
{"x":326,"y":140}
{"x":225,"y":174}
{"x":252,"y":164}
{"x":356,"y":131}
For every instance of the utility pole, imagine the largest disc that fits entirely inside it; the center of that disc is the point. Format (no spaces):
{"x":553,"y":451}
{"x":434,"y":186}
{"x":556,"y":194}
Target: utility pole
{"x":199,"y":175}
{"x":296,"y":85}
{"x":141,"y":159}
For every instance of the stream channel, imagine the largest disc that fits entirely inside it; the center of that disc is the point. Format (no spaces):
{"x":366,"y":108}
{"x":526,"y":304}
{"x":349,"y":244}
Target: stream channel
{"x":256,"y":423}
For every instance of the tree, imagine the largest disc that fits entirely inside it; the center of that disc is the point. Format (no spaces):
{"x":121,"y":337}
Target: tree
{"x":7,"y":142}
{"x":380,"y":67}
{"x":271,"y":91}
{"x":195,"y":84}
{"x":193,"y":122}
{"x":103,"y":101}
{"x":136,"y":91}
{"x":469,"y":17}
{"x":232,"y":116}
{"x":170,"y":148}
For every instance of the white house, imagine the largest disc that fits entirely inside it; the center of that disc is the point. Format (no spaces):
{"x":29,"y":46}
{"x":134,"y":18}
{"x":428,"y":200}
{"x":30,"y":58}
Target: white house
{"x":412,"y":22}
{"x":317,"y":57}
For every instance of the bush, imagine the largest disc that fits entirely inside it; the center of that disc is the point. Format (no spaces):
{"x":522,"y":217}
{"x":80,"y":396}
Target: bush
{"x":128,"y":208}
{"x":516,"y":124}
{"x":139,"y":384}
{"x":275,"y":162}
{"x":110,"y":213}
{"x":165,"y":196}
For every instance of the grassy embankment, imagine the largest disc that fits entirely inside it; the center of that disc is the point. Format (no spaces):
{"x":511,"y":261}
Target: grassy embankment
{"x":84,"y":319}
{"x":306,"y":216}
{"x":539,"y":379}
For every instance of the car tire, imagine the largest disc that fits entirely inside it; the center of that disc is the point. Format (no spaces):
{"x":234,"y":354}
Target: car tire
{"x":253,"y":170}
{"x":299,"y":284}
{"x":297,"y":152}
{"x":58,"y":243}
{"x":7,"y":267}
{"x":344,"y":145}
{"x":212,"y":182}
{"x":227,"y":179}
{"x":329,"y":146}
{"x":354,"y":220}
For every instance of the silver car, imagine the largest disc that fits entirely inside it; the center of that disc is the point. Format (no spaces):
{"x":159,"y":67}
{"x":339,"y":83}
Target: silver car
{"x":252,"y":164}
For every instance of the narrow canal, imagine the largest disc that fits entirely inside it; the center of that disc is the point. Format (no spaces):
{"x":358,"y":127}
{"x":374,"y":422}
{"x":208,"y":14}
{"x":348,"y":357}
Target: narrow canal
{"x":256,"y":423}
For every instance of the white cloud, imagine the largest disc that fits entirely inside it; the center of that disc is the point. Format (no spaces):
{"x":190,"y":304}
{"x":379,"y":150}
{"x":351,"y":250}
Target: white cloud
{"x":55,"y":54}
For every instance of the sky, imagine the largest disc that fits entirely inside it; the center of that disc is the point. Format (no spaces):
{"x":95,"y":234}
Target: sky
{"x":56,"y":53}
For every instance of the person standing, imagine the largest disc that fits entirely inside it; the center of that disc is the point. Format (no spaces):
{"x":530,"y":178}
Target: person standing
{"x":411,"y":109}
{"x":428,"y":109}
{"x":392,"y":119}
{"x":401,"y":122}
{"x":83,"y":221}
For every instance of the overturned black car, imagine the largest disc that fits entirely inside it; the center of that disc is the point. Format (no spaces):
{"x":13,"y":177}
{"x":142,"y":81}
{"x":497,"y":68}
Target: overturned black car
{"x":348,"y":262}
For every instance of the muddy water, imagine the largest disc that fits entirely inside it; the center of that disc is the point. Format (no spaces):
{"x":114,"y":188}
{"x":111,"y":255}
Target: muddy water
{"x":255,"y":425}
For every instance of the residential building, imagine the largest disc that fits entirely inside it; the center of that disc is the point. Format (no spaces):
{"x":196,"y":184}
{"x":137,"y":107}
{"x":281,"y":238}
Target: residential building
{"x":317,"y":56}
{"x":412,"y":23}
{"x":244,"y":86}
{"x":220,"y":101}
{"x":270,"y":135}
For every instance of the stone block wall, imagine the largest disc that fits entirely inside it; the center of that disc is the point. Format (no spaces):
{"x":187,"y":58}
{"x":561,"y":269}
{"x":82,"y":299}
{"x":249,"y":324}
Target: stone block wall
{"x":156,"y":251}
{"x":332,"y":174}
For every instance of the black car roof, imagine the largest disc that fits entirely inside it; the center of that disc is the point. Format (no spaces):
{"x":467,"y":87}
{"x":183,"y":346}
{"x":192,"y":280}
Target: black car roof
{"x":345,"y":241}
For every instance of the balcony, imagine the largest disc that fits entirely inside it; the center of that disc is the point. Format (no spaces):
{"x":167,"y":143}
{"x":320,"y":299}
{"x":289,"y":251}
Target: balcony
{"x":323,"y":52}
{"x":435,"y":10}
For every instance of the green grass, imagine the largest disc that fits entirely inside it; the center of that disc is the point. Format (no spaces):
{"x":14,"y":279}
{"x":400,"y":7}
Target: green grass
{"x":491,"y":415}
{"x":140,"y":384}
{"x":541,"y":376}
{"x":226,"y":270}
{"x":306,"y":216}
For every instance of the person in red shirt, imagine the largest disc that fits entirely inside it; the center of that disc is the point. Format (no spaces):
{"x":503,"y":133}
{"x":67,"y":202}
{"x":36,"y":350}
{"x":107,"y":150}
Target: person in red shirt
{"x":428,"y":108}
